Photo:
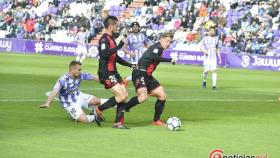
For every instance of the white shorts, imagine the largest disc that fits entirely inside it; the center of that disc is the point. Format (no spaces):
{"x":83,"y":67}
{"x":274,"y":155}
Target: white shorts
{"x":81,"y":49}
{"x":210,"y":64}
{"x":75,"y":110}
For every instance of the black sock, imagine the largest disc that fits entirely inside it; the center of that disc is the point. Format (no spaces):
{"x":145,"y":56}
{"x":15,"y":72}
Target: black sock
{"x":131,"y":103}
{"x":109,"y":103}
{"x":119,"y":113}
{"x":159,"y":106}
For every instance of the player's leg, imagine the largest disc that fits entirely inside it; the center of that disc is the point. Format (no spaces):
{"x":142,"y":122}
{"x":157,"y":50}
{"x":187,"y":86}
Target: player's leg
{"x":112,"y":82}
{"x":213,"y":70}
{"x":139,"y":83}
{"x":79,"y":52}
{"x":205,"y":72}
{"x":77,"y":114}
{"x":121,"y":95}
{"x":84,"y":54}
{"x":142,"y":96}
{"x":214,"y":79}
{"x":134,"y":60}
{"x":87,"y":101}
{"x":160,"y":94}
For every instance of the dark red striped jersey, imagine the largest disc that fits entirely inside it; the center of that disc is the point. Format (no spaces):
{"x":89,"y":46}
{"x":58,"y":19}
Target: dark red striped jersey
{"x":108,"y":56}
{"x":151,"y":58}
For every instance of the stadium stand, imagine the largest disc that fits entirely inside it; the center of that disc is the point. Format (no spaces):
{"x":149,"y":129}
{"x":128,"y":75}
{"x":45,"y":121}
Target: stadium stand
{"x":244,"y":26}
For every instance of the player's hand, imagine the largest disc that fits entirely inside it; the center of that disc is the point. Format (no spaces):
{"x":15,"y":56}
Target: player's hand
{"x":45,"y":106}
{"x":132,"y":54}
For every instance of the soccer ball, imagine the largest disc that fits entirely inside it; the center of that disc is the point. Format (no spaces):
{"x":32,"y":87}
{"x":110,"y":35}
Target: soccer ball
{"x":173,"y":123}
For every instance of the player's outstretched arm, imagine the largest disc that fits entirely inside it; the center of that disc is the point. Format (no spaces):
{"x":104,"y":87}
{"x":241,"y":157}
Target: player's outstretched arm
{"x":123,"y":62}
{"x":50,"y":99}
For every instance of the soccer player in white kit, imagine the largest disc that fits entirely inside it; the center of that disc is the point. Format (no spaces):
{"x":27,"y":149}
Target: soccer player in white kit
{"x":81,"y":39}
{"x":72,"y":99}
{"x":211,"y":48}
{"x":136,"y":45}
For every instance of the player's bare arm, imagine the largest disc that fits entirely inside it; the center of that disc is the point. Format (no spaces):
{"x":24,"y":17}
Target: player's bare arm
{"x":50,"y":99}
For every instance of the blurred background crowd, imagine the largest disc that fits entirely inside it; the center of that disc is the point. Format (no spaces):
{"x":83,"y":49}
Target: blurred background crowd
{"x":244,"y":26}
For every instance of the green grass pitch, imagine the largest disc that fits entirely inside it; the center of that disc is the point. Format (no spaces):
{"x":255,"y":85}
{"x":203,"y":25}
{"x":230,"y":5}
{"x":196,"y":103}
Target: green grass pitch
{"x":242,"y":117}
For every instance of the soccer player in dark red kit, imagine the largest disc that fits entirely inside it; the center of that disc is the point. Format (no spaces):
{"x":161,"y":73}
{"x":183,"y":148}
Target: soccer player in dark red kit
{"x":107,"y":71}
{"x":145,"y":83}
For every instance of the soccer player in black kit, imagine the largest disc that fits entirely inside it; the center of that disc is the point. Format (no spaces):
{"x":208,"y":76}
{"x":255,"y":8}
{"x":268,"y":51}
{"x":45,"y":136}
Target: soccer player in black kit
{"x":107,"y":71}
{"x":145,"y":84}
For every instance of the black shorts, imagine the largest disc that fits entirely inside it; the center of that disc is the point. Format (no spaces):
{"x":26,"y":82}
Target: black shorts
{"x":110,"y":79}
{"x":142,"y":79}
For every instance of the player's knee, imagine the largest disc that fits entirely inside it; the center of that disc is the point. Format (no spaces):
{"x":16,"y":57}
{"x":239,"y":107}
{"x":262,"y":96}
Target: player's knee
{"x":162,"y":96}
{"x":122,"y":97}
{"x":82,"y":119}
{"x":142,"y":97}
{"x":94,"y":101}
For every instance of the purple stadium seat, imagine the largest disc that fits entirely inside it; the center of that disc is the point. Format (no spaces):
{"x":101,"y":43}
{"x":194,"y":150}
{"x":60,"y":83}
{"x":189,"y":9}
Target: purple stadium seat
{"x":155,"y":27}
{"x":117,"y":8}
{"x":160,"y":27}
{"x":112,"y":8}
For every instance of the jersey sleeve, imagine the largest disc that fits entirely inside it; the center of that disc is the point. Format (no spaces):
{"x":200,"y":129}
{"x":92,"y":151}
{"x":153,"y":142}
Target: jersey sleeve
{"x":104,"y":49}
{"x":156,"y":57}
{"x":58,"y":85}
{"x":145,"y":39}
{"x":123,"y":62}
{"x":87,"y":76}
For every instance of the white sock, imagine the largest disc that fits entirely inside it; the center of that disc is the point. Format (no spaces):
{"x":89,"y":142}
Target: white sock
{"x":102,"y":101}
{"x":204,"y":76}
{"x":214,"y":78}
{"x":78,"y":58}
{"x":129,"y":78}
{"x":90,"y":118}
{"x":83,"y":58}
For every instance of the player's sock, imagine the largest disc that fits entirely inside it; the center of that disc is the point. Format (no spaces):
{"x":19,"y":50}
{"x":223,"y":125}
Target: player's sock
{"x":119,"y":113}
{"x":214,"y":78}
{"x":110,"y":103}
{"x":131,"y":103}
{"x":90,"y":118}
{"x":159,"y":106}
{"x":102,"y":100}
{"x":204,"y":76}
{"x":78,"y":58}
{"x":82,"y":58}
{"x":129,"y":78}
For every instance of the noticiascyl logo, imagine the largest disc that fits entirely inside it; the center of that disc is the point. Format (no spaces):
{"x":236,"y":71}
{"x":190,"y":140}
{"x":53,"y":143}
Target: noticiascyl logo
{"x":217,"y":153}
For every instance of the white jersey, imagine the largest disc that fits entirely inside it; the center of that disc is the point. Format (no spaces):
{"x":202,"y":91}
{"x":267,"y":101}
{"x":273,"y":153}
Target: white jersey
{"x":210,"y":44}
{"x":68,"y":88}
{"x":81,"y":38}
{"x":136,"y":44}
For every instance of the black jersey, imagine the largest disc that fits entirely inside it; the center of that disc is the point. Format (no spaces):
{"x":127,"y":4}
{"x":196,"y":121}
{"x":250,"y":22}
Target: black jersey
{"x":108,"y":56}
{"x":151,"y":58}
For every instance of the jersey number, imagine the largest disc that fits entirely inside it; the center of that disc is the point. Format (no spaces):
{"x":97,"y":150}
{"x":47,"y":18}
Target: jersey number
{"x":113,"y":79}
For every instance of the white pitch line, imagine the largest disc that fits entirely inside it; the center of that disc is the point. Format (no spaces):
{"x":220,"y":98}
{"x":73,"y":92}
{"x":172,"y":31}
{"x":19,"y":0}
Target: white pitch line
{"x":168,"y":100}
{"x":191,"y":90}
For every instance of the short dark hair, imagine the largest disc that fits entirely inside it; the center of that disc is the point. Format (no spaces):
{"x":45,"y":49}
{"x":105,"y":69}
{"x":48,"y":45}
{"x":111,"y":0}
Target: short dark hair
{"x":110,"y":20}
{"x":166,"y":34}
{"x":74,"y":63}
